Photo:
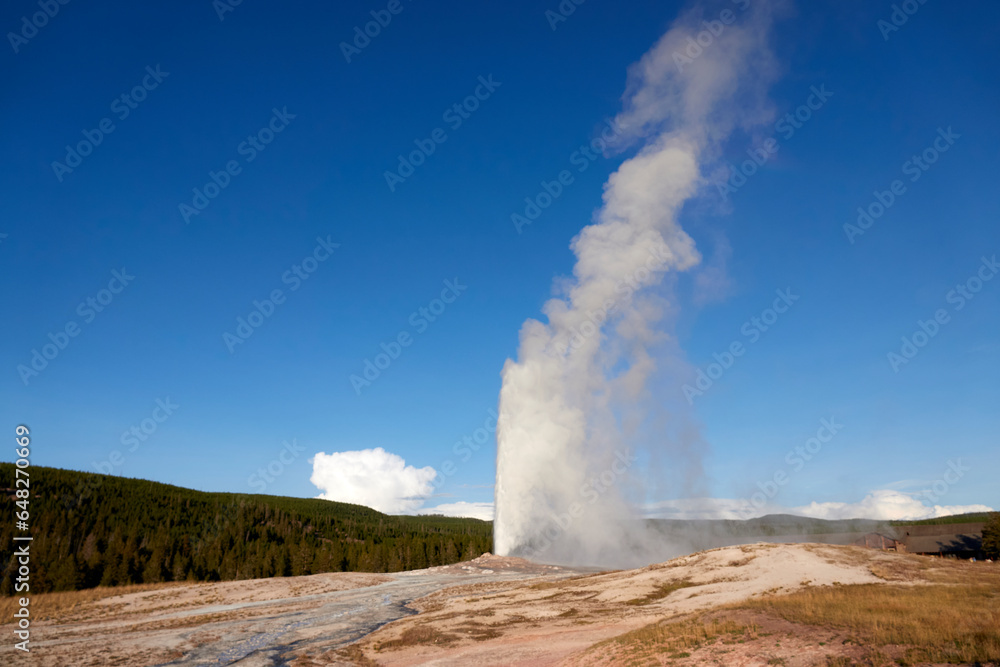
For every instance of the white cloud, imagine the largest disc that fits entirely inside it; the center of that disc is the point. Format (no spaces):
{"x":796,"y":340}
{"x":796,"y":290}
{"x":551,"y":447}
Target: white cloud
{"x":699,"y":508}
{"x":374,"y":478}
{"x":882,"y":504}
{"x":482,"y":511}
{"x":887,"y":505}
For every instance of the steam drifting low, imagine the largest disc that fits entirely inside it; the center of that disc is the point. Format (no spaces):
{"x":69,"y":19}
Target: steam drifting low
{"x":567,"y":475}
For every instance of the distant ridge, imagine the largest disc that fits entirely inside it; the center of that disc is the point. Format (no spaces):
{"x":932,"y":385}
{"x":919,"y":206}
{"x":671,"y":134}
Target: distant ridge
{"x":790,"y":524}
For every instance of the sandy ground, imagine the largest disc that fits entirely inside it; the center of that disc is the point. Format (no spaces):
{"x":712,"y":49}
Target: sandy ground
{"x":555,"y":623}
{"x":248,"y":623}
{"x":489,"y":611}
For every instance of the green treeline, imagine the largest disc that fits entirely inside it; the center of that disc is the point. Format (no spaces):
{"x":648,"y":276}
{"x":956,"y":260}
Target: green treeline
{"x":101,"y":530}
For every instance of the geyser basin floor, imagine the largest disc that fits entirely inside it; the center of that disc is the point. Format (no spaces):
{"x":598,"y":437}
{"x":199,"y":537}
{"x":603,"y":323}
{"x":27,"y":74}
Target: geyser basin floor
{"x":587,"y":620}
{"x":725,"y":606}
{"x":248,"y":623}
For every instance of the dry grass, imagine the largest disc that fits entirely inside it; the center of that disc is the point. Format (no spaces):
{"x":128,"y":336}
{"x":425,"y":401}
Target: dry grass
{"x":51,"y":606}
{"x":478,"y":631}
{"x":352,"y":653}
{"x":678,"y":638}
{"x":660,"y":592}
{"x":948,"y":571}
{"x":417,"y":635}
{"x":937,"y":623}
{"x":510,"y":621}
{"x":740,"y":562}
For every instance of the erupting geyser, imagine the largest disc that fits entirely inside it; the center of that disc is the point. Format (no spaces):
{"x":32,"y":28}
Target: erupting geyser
{"x":566,"y":471}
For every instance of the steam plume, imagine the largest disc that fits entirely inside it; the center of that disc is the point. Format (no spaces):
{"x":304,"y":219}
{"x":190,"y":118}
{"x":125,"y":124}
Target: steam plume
{"x":567,"y":404}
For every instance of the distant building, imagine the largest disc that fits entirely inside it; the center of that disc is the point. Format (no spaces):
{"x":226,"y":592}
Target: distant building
{"x":961,"y":540}
{"x":880,"y":541}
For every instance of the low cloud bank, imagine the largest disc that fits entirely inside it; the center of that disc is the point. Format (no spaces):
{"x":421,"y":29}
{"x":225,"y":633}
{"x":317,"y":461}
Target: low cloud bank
{"x":881,"y":504}
{"x":885,"y":505}
{"x":482,"y":511}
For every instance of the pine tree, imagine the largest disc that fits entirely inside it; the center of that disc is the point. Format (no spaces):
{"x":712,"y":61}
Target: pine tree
{"x":991,"y":537}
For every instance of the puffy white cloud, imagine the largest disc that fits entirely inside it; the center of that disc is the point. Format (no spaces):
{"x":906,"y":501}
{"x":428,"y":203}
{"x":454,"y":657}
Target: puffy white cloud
{"x":374,"y":478}
{"x":482,"y":511}
{"x":887,"y":505}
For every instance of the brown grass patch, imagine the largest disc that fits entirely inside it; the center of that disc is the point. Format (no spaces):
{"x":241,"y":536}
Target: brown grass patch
{"x":678,"y":638}
{"x":352,"y":653}
{"x":477,"y":631}
{"x":482,"y":612}
{"x":50,"y":606}
{"x":516,"y":619}
{"x":417,"y":635}
{"x":660,"y":592}
{"x":937,"y":623}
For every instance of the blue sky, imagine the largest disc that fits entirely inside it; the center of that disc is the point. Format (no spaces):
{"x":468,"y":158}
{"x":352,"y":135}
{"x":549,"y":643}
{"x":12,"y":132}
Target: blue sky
{"x":320,"y":182}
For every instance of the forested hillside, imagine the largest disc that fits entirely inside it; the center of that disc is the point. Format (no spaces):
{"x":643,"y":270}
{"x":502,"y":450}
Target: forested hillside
{"x":92,"y":530}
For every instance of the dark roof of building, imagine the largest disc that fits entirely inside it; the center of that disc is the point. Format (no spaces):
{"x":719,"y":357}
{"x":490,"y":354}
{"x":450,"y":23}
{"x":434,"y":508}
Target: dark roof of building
{"x":940,"y":529}
{"x":944,"y":543}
